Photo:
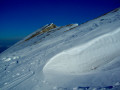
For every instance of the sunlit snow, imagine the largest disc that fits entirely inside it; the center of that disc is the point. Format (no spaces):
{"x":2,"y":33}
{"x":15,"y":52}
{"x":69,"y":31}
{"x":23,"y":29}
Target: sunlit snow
{"x":71,"y":57}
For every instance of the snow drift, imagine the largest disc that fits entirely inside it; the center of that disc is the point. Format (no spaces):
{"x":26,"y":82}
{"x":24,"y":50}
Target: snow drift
{"x":87,"y":57}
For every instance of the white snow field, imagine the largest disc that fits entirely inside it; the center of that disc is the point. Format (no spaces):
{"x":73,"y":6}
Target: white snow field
{"x":71,"y":57}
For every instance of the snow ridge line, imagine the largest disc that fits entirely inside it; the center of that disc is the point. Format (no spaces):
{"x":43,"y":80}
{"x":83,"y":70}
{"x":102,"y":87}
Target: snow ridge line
{"x":94,"y":40}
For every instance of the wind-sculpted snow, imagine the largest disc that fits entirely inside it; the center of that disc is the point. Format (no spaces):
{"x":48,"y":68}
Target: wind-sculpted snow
{"x":71,"y":57}
{"x":87,"y":57}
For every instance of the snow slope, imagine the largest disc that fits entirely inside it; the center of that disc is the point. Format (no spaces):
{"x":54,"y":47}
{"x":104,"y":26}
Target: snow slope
{"x":71,"y":57}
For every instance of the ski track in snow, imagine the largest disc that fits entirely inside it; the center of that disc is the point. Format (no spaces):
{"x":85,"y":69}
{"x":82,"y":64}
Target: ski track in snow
{"x":17,"y":81}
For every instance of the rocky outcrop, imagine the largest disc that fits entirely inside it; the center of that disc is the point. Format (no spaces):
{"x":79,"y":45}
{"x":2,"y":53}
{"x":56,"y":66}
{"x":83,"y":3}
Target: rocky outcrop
{"x":45,"y":29}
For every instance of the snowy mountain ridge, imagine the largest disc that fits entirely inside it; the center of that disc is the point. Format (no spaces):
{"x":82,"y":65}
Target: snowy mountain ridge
{"x":71,"y":57}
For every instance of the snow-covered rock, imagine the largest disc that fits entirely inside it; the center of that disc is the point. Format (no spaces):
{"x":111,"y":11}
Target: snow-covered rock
{"x":71,"y":57}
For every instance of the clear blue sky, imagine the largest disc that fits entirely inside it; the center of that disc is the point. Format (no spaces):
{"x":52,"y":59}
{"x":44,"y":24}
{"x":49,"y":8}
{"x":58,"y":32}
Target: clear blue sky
{"x":19,"y":18}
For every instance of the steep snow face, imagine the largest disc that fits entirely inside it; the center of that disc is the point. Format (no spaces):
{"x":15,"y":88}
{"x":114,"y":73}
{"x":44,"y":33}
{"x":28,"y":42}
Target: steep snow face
{"x":71,"y":57}
{"x":87,"y":57}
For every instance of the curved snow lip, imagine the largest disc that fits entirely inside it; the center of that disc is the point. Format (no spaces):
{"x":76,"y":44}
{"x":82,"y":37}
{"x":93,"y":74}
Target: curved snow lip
{"x":87,"y":57}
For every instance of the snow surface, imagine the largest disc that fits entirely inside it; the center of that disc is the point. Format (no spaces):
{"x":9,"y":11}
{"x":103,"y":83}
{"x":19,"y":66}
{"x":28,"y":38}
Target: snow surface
{"x":71,"y":57}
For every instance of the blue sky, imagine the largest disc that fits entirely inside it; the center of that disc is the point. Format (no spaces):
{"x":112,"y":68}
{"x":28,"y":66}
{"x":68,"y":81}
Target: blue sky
{"x":19,"y":18}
